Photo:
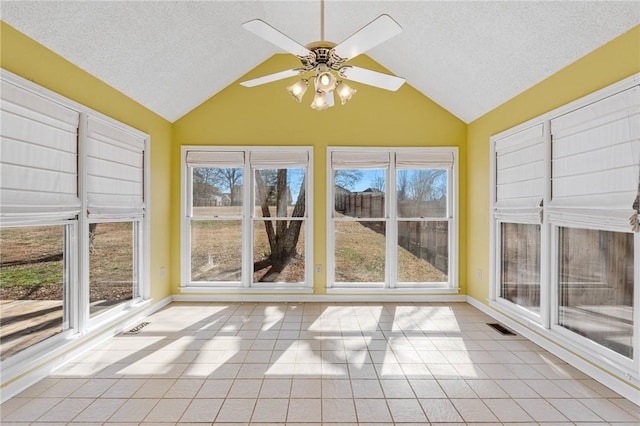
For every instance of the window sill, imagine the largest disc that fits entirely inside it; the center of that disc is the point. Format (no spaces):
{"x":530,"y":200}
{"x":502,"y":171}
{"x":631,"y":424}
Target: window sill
{"x":246,"y":290}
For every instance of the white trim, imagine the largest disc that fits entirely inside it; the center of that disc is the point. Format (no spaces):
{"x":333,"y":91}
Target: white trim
{"x":247,"y":217}
{"x":337,"y":298}
{"x":391,"y":220}
{"x":620,"y":381}
{"x":75,"y":305}
{"x":604,"y":219}
{"x":21,"y":376}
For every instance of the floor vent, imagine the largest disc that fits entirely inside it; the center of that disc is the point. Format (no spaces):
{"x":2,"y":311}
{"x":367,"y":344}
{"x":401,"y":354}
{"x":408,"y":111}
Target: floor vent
{"x":137,"y":328}
{"x":501,"y":329}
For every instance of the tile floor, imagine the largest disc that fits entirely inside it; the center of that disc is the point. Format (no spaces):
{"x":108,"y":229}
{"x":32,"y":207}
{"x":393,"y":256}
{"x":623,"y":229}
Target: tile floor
{"x":318,"y":364}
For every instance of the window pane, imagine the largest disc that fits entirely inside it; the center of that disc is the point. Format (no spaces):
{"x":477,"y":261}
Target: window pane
{"x":111,"y":265}
{"x":360,"y":251}
{"x":217,"y":191}
{"x":31,"y":286}
{"x":283,"y":260}
{"x":422,"y":193}
{"x":520,"y":271}
{"x":280,"y":192}
{"x":360,"y":193}
{"x":216,"y":250}
{"x":595,"y":283}
{"x":423,"y":251}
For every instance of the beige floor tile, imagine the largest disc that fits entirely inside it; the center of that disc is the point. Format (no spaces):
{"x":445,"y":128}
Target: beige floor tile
{"x":473,"y":410}
{"x":304,"y":410}
{"x":202,"y":410}
{"x":236,"y":410}
{"x":100,"y":410}
{"x":406,"y":410}
{"x":133,"y":410}
{"x":317,"y":364}
{"x":270,"y":411}
{"x":338,"y":410}
{"x":372,"y":410}
{"x":168,"y":410}
{"x":440,"y":410}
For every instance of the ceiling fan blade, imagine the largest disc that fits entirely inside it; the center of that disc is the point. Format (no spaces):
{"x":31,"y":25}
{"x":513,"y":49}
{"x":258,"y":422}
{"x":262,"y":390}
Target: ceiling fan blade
{"x":271,"y":77}
{"x":372,"y":78}
{"x":375,"y":32}
{"x":272,"y":35}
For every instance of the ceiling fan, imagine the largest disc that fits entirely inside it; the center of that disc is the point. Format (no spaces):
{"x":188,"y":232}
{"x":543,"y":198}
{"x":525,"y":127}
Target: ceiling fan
{"x":327,"y":60}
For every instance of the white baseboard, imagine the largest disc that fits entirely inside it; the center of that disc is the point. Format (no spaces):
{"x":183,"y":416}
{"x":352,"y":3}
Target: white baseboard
{"x":322,"y":298}
{"x":27,"y":374}
{"x":551,"y":344}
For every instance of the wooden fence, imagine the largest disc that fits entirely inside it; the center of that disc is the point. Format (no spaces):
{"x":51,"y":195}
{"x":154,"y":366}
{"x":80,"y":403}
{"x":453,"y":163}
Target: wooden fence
{"x":428,"y":240}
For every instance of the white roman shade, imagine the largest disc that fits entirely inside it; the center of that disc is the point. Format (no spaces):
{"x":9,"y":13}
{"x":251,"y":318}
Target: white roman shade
{"x":596,"y":159}
{"x":519,"y":168}
{"x":215,"y":159}
{"x":424,"y":160}
{"x":279,"y":159}
{"x":38,"y":157}
{"x":115,"y":171}
{"x":359,"y":160}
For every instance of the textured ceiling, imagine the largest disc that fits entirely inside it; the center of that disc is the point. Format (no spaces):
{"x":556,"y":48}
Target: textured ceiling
{"x":469,"y":57}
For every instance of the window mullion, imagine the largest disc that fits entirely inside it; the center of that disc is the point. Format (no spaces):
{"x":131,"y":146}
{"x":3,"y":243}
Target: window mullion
{"x":392,"y":226}
{"x":82,"y":285}
{"x":248,"y":213}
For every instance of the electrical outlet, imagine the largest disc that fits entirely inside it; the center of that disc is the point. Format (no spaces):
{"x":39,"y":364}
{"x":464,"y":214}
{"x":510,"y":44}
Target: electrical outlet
{"x":318,"y":268}
{"x":479,"y":274}
{"x":163,"y":272}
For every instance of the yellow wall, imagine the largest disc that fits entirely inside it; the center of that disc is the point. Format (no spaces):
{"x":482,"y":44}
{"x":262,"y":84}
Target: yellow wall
{"x":32,"y":61}
{"x":612,"y":62}
{"x":266,"y":115}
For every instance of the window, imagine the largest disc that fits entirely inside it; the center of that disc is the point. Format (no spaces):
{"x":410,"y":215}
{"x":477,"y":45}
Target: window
{"x":520,"y":265}
{"x":519,"y":186}
{"x":392,"y":218}
{"x":34,"y":285}
{"x":566,"y":198}
{"x":595,"y":286}
{"x":595,"y":185}
{"x":72,"y":220}
{"x":246,"y":217}
{"x":113,"y":277}
{"x":115,"y":205}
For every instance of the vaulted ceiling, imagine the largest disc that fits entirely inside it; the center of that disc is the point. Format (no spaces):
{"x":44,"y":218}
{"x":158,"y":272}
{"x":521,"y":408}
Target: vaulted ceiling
{"x":468,"y":56}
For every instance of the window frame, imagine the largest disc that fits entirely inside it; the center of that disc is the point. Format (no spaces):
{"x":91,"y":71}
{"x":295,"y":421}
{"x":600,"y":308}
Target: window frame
{"x":76,"y":243}
{"x":614,"y":220}
{"x":599,"y":350}
{"x":391,"y":219}
{"x":248,"y":219}
{"x":522,"y":215}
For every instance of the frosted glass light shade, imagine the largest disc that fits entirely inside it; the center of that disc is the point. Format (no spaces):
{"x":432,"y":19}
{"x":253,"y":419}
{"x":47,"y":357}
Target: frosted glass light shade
{"x":298,"y":89}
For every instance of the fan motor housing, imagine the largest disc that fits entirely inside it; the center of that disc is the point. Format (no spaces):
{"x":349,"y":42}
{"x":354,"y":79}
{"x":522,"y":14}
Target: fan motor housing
{"x":322,"y":53}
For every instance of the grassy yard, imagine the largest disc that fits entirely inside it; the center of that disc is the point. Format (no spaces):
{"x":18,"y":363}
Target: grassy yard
{"x":32,"y":268}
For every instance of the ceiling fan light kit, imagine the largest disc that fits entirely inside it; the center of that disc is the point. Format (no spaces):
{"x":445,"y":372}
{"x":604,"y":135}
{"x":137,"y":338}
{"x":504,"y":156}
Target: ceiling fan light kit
{"x":298,"y":89}
{"x":327,"y":61}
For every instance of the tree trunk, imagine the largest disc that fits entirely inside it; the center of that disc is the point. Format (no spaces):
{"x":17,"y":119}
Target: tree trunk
{"x":284,"y":240}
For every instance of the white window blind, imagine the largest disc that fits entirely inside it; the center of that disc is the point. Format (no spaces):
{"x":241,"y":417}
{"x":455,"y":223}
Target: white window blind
{"x":218,"y":159}
{"x":38,"y":157}
{"x":115,"y":171}
{"x":359,"y":160}
{"x":422,"y":160}
{"x":520,"y":166}
{"x":279,"y":159}
{"x":596,"y":158}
